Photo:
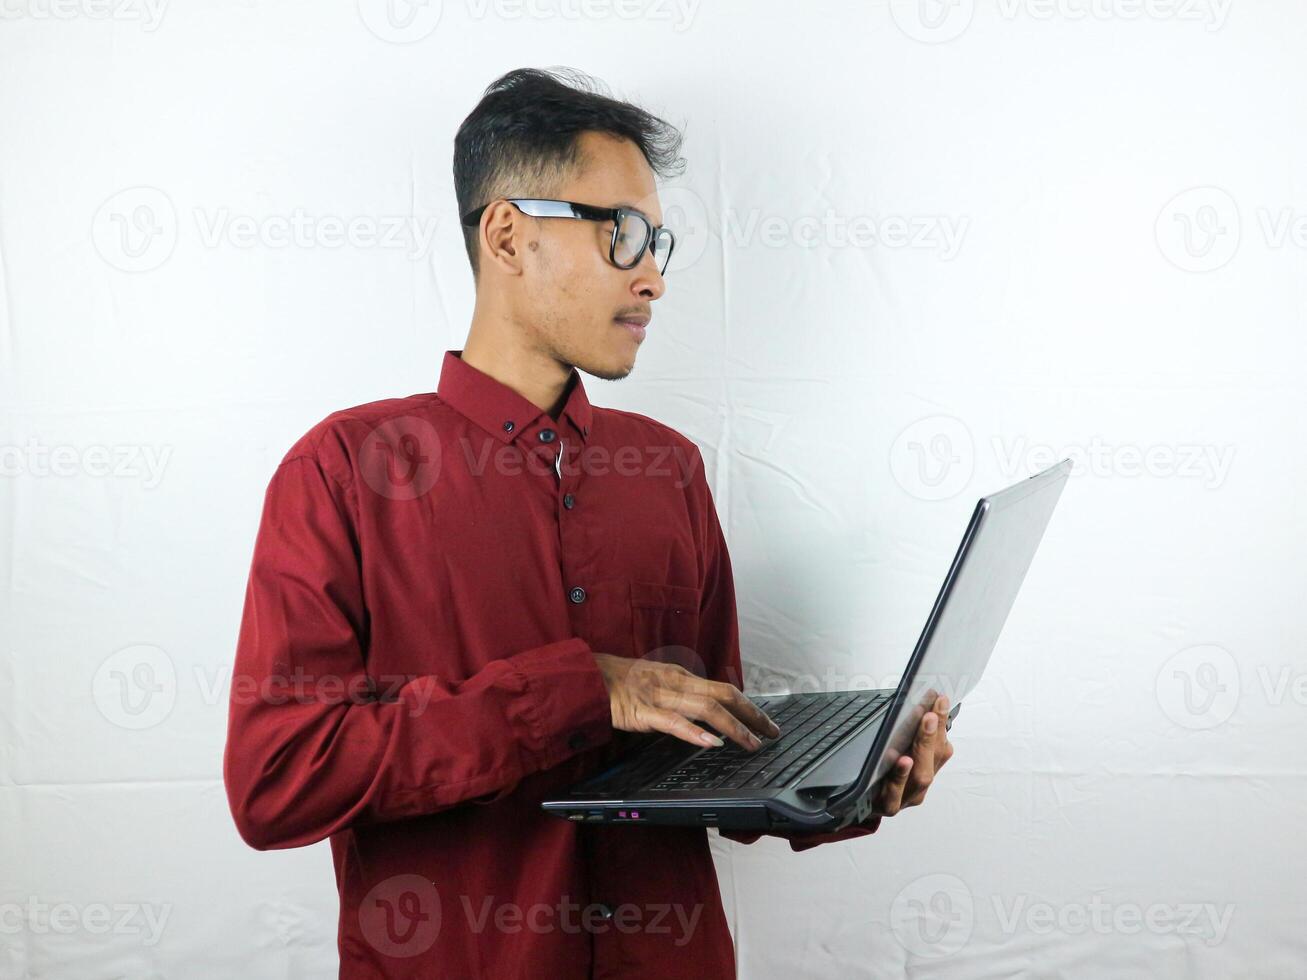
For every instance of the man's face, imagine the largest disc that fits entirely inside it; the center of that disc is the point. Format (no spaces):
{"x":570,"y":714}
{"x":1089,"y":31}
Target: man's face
{"x":572,"y":298}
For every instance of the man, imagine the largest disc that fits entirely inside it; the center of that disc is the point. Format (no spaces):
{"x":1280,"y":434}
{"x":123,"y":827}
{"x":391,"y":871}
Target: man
{"x":460,"y":602}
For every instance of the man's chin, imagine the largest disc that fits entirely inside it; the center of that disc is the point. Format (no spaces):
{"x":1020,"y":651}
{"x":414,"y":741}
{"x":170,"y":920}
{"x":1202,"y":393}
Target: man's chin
{"x":614,"y":370}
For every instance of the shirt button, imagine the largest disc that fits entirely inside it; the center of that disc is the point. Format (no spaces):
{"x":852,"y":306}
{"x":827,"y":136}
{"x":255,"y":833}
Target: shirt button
{"x":568,"y":501}
{"x":577,"y":594}
{"x":508,"y":426}
{"x":576,"y":741}
{"x":605,"y":910}
{"x":547,"y":435}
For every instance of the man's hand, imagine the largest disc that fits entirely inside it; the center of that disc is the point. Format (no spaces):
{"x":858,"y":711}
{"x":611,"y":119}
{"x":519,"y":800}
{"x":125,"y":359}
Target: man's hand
{"x":650,"y":696}
{"x":912,"y":775}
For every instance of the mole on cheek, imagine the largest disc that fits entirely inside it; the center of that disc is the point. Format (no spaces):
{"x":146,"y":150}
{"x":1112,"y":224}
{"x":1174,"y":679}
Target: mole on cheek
{"x":533,"y":245}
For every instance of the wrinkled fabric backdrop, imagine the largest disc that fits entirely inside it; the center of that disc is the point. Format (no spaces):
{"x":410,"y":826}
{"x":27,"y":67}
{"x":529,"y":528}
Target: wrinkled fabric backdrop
{"x":926,"y":250}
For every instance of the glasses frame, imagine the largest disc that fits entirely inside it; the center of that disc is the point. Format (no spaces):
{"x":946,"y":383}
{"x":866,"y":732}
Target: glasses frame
{"x":543,"y":208}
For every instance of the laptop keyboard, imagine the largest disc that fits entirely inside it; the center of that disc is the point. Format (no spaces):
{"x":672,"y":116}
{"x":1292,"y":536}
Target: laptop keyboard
{"x":809,"y":723}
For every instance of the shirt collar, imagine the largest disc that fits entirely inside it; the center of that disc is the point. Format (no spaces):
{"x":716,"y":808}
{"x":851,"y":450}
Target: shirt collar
{"x":499,"y":409}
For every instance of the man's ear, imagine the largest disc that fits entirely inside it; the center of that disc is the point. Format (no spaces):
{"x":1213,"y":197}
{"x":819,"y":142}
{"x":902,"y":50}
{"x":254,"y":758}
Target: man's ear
{"x":501,"y":236}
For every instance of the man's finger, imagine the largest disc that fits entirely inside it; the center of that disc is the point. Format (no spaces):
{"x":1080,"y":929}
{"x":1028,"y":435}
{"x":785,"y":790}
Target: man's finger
{"x":748,"y":712}
{"x":923,"y":755}
{"x":733,"y":700}
{"x":705,"y":709}
{"x":944,"y":750}
{"x":891,"y":793}
{"x":671,"y":723}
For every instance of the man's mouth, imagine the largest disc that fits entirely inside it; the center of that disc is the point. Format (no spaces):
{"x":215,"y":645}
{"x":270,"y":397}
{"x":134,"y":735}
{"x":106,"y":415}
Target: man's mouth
{"x":635,"y":324}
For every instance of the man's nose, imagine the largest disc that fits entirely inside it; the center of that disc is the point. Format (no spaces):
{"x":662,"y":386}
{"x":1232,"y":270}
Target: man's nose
{"x":649,"y":283}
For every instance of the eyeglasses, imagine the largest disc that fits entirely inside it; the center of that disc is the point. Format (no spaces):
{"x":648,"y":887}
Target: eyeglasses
{"x":632,"y":231}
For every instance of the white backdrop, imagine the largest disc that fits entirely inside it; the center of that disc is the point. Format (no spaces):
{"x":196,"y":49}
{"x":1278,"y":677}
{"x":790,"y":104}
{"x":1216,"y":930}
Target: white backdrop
{"x":927,"y":250}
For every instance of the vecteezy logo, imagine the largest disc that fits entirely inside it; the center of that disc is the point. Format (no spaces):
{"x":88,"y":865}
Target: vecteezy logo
{"x":136,"y":687}
{"x":400,"y":21}
{"x":401,"y":916}
{"x":933,"y":458}
{"x":932,"y":21}
{"x":933,"y":916}
{"x":400,"y":458}
{"x":136,"y":229}
{"x":1199,"y":229}
{"x":1199,"y":687}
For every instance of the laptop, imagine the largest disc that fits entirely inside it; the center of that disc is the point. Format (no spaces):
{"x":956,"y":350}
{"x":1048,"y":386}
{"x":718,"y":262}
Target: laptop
{"x":823,"y":771}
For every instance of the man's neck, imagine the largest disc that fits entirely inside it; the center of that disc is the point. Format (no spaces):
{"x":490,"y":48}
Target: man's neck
{"x":535,"y":376}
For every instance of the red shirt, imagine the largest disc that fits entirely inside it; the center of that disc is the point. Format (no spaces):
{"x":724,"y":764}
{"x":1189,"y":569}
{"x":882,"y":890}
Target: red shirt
{"x":415,"y":673}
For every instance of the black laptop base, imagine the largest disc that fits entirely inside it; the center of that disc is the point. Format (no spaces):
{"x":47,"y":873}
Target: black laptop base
{"x":733,"y":788}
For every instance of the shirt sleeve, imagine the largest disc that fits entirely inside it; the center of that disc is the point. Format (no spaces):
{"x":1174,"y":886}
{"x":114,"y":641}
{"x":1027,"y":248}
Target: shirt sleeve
{"x":719,"y":643}
{"x":314,"y":747}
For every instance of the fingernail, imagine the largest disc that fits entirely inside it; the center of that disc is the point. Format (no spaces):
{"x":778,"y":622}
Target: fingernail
{"x":708,"y":738}
{"x":931,"y":724}
{"x":776,"y":729}
{"x":755,"y":741}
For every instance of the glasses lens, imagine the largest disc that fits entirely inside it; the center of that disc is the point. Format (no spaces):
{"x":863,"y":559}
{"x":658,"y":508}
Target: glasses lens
{"x":632,"y":237}
{"x":662,"y":248}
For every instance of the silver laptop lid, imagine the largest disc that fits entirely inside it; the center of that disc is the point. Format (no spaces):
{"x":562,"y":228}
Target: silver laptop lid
{"x":969,"y":613}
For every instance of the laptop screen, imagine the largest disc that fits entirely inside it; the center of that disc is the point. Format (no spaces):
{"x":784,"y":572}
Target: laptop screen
{"x":972,"y":606}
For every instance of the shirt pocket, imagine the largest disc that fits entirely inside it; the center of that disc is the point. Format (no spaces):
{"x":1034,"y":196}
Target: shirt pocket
{"x":665,"y":623}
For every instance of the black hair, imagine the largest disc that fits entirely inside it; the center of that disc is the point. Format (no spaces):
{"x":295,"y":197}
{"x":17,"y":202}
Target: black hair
{"x":521,"y":137}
